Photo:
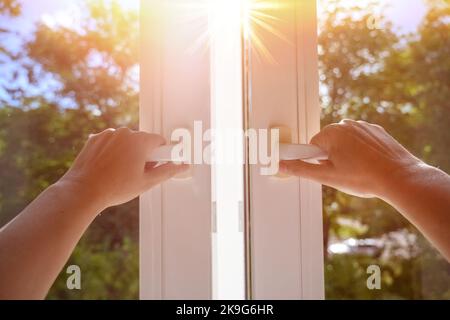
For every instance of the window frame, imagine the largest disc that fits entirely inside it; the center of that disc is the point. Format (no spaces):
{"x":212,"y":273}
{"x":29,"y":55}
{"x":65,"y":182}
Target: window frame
{"x":193,"y":279}
{"x":288,"y":244}
{"x":175,"y":247}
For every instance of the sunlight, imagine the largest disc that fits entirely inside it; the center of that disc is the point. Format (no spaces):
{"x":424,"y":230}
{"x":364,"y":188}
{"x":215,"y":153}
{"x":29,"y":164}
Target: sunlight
{"x":69,"y":13}
{"x":225,"y":41}
{"x":251,"y":15}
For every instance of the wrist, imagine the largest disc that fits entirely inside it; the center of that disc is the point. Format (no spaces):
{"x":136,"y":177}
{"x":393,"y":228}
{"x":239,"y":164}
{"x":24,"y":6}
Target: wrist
{"x":402,"y":181}
{"x":84,"y":194}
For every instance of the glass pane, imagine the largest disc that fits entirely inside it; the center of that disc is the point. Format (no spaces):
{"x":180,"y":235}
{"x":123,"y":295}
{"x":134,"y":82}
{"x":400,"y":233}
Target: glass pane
{"x":385,"y":62}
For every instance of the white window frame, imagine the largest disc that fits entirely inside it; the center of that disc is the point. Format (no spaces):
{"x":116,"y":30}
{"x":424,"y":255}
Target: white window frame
{"x":175,"y":242}
{"x":284,"y":249}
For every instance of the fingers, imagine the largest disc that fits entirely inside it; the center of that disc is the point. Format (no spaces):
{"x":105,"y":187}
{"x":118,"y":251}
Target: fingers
{"x":317,"y":172}
{"x":326,"y":137}
{"x":150,"y":141}
{"x":101,"y":134}
{"x":163,"y":172}
{"x":150,"y":165}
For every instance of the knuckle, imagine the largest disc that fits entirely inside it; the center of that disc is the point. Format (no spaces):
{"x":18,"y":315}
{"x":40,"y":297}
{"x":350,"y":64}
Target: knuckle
{"x":330,"y":134}
{"x":124,"y":134}
{"x":123,"y":131}
{"x":377,"y":126}
{"x":347,"y":121}
{"x":320,"y":138}
{"x":316,"y":139}
{"x":105,"y":132}
{"x":329,"y":128}
{"x":363,"y":123}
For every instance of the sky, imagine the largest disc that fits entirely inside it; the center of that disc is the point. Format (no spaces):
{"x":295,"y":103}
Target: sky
{"x":49,"y":11}
{"x":62,"y":12}
{"x":405,"y":15}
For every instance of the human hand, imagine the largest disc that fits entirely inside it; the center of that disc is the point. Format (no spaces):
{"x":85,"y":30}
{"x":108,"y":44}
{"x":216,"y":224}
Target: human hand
{"x":112,"y":169}
{"x":364,"y":160}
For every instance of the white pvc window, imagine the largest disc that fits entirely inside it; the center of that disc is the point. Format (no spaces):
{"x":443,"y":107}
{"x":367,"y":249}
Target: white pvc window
{"x":227,"y":232}
{"x":175,"y":218}
{"x":285,"y":213}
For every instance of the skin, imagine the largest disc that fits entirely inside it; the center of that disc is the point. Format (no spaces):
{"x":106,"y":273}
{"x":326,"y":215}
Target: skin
{"x":365,"y":161}
{"x":110,"y":170}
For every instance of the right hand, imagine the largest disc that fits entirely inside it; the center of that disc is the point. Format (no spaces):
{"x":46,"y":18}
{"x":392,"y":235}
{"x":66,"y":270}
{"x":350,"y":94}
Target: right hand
{"x":364,"y":160}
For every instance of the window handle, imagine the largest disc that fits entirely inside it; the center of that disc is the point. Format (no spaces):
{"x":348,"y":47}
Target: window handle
{"x":287,"y":152}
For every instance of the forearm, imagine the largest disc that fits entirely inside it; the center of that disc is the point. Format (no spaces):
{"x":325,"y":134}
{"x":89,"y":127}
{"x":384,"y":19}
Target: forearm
{"x":35,"y":246}
{"x":422,"y":195}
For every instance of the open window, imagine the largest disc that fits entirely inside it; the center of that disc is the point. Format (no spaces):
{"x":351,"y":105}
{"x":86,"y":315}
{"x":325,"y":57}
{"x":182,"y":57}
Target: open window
{"x":227,"y":231}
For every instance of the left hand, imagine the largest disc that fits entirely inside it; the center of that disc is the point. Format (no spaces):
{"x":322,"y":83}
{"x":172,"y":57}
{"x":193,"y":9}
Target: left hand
{"x":112,"y":167}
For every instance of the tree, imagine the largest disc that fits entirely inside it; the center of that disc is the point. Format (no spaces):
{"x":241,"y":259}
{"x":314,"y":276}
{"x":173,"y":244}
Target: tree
{"x":8,"y":9}
{"x":402,"y":84}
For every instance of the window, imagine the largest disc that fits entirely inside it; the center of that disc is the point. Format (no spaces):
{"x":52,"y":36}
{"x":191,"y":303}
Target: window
{"x":215,"y":234}
{"x":175,"y":246}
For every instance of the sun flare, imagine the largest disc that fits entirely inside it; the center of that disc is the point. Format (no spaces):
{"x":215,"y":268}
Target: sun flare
{"x":251,"y":18}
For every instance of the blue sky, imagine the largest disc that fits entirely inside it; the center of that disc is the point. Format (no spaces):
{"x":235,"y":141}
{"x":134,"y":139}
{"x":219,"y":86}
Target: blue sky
{"x":44,"y":10}
{"x":405,"y":14}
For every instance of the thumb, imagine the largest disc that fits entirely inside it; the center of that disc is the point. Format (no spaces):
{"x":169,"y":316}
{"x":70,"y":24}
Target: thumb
{"x":317,"y":172}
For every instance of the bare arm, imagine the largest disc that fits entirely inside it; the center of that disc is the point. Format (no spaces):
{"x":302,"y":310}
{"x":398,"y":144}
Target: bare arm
{"x":110,"y":170}
{"x":366,"y":161}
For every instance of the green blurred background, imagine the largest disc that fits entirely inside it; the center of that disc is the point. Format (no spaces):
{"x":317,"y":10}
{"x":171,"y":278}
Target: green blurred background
{"x":61,"y":82}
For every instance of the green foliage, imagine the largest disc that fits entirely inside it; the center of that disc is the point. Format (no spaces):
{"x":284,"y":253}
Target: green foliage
{"x":96,"y":62}
{"x":401,"y":83}
{"x":95,"y":67}
{"x":106,"y":273}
